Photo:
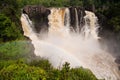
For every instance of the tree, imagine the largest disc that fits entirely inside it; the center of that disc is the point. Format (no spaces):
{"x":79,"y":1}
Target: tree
{"x":8,"y":29}
{"x":76,"y":3}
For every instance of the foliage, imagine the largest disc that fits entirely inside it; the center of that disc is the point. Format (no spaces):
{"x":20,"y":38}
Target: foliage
{"x":113,"y":16}
{"x":21,"y":71}
{"x":76,"y":73}
{"x":9,"y":22}
{"x":76,"y":2}
{"x":43,"y":63}
{"x":4,"y":64}
{"x":66,"y":73}
{"x":51,"y":3}
{"x":115,"y":21}
{"x":81,"y":74}
{"x":15,"y":50}
{"x":8,"y":30}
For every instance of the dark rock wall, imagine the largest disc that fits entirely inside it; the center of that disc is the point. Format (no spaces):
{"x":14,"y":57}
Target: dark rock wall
{"x":39,"y":17}
{"x":80,"y":13}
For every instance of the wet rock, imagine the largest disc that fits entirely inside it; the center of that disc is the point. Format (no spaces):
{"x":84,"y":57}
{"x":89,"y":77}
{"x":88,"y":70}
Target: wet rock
{"x":78,"y":12}
{"x":39,"y":17}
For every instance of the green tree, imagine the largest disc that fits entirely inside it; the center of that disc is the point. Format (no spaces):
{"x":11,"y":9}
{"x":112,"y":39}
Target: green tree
{"x":8,"y":29}
{"x":65,"y":71}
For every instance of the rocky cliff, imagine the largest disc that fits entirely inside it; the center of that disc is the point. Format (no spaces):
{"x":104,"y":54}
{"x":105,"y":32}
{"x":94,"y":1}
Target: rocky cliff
{"x":39,"y":16}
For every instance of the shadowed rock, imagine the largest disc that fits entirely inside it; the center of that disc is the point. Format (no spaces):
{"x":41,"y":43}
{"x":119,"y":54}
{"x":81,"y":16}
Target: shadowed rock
{"x":39,"y":16}
{"x":80,"y":15}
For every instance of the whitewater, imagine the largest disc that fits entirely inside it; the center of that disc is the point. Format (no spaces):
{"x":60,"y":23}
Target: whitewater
{"x":80,"y":47}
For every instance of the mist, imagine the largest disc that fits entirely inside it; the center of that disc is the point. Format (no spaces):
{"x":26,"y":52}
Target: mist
{"x":82,"y":48}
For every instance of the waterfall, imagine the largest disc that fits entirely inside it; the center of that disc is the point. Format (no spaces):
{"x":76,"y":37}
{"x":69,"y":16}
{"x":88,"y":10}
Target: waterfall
{"x":90,"y":28}
{"x":56,"y":21}
{"x":79,"y":49}
{"x":67,"y":20}
{"x":76,"y":16}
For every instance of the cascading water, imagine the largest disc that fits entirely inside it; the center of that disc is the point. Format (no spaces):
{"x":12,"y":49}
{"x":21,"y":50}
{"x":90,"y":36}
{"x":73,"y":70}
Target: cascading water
{"x":76,"y":15}
{"x":78,"y":48}
{"x":91,"y":26}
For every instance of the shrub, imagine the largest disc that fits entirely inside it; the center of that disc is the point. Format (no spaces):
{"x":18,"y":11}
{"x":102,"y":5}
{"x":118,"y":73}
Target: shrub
{"x":21,"y":71}
{"x":42,"y":63}
{"x":15,"y":50}
{"x":81,"y":74}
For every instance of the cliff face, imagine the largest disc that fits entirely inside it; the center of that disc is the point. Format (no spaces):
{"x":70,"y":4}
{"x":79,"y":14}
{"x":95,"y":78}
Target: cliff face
{"x":39,"y":16}
{"x":77,"y":12}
